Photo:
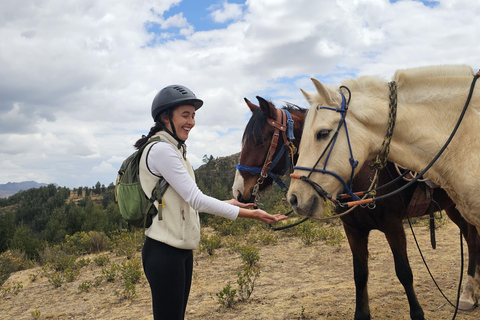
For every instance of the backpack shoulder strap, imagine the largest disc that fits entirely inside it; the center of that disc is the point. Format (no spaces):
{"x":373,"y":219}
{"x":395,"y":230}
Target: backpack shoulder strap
{"x":152,"y":185}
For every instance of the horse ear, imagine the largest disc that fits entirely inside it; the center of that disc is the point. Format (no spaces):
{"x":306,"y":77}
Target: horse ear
{"x":251,"y":105}
{"x":267,"y":108}
{"x":329,"y":95}
{"x":306,"y":95}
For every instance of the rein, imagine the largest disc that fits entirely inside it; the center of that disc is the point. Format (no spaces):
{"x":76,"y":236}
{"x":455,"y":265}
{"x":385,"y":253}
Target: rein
{"x":328,"y":196}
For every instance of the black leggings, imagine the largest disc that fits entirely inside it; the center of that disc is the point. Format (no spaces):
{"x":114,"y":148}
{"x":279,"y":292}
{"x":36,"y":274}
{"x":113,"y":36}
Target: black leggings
{"x":169,"y":272}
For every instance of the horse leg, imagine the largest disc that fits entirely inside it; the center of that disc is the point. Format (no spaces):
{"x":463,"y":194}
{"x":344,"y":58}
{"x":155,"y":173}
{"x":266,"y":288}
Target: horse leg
{"x":468,"y":300}
{"x":395,"y":235}
{"x":358,"y":242}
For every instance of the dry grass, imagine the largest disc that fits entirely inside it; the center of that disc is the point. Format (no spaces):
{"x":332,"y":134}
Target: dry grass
{"x":296,"y":282}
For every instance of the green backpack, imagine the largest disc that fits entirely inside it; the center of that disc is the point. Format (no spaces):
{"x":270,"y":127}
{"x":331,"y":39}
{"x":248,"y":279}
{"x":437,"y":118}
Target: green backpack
{"x":135,"y":206}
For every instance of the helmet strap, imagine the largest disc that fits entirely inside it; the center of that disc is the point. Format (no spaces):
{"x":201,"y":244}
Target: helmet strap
{"x":181,"y":143}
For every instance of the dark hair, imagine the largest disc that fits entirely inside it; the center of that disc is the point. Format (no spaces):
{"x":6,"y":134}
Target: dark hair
{"x":159,"y":126}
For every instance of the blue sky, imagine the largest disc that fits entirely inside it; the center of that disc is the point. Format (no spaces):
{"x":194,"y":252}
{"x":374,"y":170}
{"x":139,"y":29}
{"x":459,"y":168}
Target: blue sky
{"x":428,"y":3}
{"x":77,"y":78}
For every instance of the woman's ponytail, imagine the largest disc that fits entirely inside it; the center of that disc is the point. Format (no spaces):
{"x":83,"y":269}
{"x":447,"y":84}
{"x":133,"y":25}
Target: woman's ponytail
{"x":144,"y":139}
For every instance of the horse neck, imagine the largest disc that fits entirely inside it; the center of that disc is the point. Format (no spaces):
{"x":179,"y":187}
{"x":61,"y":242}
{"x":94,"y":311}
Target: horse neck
{"x":424,"y":125}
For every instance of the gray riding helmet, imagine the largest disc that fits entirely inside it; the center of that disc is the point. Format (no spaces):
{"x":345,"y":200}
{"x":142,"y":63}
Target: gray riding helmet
{"x":173,"y":96}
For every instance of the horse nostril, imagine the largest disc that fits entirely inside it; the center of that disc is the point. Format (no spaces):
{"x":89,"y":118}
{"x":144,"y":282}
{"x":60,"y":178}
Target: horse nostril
{"x":293,"y":200}
{"x":240,"y":197}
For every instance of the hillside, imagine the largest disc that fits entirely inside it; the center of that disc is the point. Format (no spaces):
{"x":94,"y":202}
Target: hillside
{"x":296,"y":282}
{"x":215,"y":177}
{"x":10,"y":188}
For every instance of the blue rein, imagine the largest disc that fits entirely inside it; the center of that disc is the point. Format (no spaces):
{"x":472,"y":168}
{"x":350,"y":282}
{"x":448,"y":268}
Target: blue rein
{"x":283,"y":151}
{"x":353,"y":163}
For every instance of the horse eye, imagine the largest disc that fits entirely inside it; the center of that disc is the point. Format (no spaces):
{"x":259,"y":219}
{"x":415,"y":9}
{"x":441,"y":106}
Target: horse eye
{"x":323,"y":134}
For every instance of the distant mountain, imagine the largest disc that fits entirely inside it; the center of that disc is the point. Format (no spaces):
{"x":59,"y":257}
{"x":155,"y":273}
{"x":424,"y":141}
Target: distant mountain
{"x":10,"y":188}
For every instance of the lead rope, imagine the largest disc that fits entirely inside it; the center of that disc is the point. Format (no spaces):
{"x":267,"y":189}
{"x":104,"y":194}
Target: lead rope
{"x":381,"y":159}
{"x":433,"y":278}
{"x":426,"y":265}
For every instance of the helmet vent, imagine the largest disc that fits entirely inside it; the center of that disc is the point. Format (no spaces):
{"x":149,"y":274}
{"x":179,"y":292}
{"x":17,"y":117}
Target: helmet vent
{"x":181,"y":90}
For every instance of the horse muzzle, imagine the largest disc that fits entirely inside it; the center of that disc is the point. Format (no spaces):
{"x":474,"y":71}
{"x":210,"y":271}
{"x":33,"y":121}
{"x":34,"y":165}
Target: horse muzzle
{"x":309,"y":207}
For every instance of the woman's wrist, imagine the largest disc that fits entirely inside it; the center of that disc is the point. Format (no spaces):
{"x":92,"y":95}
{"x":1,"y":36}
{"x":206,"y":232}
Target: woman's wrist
{"x":245,"y":213}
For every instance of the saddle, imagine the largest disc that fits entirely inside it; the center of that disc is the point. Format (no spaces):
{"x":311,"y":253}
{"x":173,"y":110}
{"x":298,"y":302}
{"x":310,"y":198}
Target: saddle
{"x":421,"y":204}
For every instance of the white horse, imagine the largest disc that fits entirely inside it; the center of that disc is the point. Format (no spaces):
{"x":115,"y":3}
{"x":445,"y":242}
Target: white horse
{"x":430,"y":102}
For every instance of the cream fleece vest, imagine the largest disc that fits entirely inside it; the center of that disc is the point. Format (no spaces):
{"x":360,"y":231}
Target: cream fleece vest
{"x":180,"y":224}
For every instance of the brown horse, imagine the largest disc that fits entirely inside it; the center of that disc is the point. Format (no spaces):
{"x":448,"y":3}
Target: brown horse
{"x":386,"y":217}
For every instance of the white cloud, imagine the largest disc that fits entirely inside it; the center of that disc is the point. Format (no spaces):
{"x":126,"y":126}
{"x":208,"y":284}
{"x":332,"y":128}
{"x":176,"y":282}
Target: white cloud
{"x":176,"y":21}
{"x":104,"y":167}
{"x":229,"y":11}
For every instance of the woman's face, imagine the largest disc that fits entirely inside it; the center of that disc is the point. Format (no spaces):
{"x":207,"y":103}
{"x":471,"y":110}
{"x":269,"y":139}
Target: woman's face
{"x":183,"y":119}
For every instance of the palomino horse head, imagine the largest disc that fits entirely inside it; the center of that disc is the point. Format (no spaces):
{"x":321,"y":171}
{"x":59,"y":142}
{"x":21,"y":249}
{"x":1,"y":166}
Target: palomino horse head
{"x":340,"y":135}
{"x":257,"y":143}
{"x":327,"y":156}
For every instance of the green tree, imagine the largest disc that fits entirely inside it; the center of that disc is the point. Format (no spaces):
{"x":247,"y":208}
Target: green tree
{"x":75,"y":218}
{"x":7,"y":228}
{"x":98,"y":188}
{"x":96,"y":218}
{"x":25,"y":241}
{"x":55,"y":230}
{"x":108,"y":197}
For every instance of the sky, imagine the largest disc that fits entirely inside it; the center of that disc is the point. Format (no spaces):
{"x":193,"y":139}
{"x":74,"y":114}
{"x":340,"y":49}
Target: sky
{"x":78,"y":77}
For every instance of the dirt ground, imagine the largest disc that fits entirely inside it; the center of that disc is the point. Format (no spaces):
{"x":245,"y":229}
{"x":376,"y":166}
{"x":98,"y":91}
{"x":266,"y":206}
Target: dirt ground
{"x":296,"y":282}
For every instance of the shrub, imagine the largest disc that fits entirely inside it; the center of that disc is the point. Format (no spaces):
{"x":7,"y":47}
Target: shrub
{"x":249,"y":254}
{"x":57,"y":258}
{"x":54,"y":277}
{"x":36,"y":314}
{"x":12,"y":261}
{"x":77,"y":243}
{"x":307,"y":232}
{"x":84,"y":286}
{"x":226,"y":296}
{"x":128,"y":243}
{"x":110,"y":273}
{"x":264,"y":237}
{"x":131,"y":270}
{"x":209,"y":244}
{"x":102,"y":261}
{"x":246,"y":281}
{"x":86,"y":242}
{"x":235,"y":228}
{"x":98,"y":242}
{"x":332,"y":236}
{"x":70,"y":274}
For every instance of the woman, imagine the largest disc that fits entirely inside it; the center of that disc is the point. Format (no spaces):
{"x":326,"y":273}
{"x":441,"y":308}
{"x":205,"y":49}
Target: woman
{"x":167,"y":254}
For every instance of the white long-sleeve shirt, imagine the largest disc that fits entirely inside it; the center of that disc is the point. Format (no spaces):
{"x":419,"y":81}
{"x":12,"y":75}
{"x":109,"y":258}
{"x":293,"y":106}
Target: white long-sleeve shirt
{"x":163,"y":160}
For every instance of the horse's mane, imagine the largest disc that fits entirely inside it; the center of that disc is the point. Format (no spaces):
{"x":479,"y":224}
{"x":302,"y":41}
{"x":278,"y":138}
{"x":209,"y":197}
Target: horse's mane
{"x":403,"y":75}
{"x":258,"y":121}
{"x":411,"y":79}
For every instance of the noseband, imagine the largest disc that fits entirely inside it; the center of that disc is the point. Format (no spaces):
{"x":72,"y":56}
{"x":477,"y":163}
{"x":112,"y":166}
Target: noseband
{"x":285,"y":126}
{"x":327,"y":151}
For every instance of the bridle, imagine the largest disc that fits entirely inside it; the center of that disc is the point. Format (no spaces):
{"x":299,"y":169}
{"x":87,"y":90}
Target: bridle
{"x":287,"y":150}
{"x":328,"y":150}
{"x":284,"y":127}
